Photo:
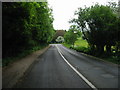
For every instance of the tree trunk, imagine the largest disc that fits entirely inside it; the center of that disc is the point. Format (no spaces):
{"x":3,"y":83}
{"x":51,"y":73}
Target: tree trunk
{"x":108,"y":48}
{"x":100,"y":49}
{"x":92,"y":47}
{"x":73,"y":45}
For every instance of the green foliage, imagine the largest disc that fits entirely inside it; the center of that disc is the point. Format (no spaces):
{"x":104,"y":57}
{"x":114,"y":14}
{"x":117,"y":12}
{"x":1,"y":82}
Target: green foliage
{"x":71,"y":35}
{"x":97,"y":26}
{"x":81,"y":43}
{"x":8,"y":60}
{"x":82,"y":46}
{"x":25,"y":25}
{"x":67,"y":45}
{"x":87,"y":50}
{"x":100,"y":28}
{"x":80,"y":49}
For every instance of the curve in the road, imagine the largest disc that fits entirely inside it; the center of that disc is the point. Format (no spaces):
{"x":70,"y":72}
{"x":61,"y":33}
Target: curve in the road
{"x":85,"y":79}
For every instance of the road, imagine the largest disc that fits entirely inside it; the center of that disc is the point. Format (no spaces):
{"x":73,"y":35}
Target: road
{"x":60,"y":67}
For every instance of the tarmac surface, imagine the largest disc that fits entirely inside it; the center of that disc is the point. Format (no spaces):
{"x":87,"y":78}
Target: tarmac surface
{"x":50,"y":70}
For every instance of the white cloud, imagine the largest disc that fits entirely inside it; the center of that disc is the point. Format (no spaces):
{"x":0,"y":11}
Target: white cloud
{"x":63,"y":10}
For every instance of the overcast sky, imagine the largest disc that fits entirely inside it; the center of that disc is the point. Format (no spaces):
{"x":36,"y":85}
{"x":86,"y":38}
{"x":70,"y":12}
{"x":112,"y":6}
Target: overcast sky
{"x":63,"y":10}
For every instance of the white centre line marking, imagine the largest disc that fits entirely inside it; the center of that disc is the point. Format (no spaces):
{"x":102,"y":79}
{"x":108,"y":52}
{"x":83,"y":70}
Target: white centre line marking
{"x":88,"y":82}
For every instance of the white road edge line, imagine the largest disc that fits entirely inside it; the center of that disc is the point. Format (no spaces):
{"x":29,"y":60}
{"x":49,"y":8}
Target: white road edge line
{"x":88,"y":82}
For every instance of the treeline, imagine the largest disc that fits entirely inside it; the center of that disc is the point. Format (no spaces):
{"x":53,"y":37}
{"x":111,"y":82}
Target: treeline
{"x":25,"y":25}
{"x":100,"y":27}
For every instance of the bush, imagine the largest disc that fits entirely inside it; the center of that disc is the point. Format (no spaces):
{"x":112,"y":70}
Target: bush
{"x":80,"y":49}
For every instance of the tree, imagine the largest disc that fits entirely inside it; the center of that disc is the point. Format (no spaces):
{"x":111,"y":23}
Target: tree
{"x":15,"y":20}
{"x":25,"y":25}
{"x":97,"y":25}
{"x":100,"y":22}
{"x":71,"y":35}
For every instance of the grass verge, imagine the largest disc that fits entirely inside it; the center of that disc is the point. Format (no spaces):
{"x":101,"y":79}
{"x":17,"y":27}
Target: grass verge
{"x":82,"y":46}
{"x":8,"y":60}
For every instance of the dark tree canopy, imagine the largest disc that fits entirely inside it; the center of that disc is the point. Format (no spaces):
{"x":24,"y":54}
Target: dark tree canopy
{"x":25,"y":25}
{"x":99,"y":25}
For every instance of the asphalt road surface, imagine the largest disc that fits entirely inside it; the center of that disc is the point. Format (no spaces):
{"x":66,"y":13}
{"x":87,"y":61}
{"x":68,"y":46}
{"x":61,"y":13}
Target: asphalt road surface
{"x":60,"y":67}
